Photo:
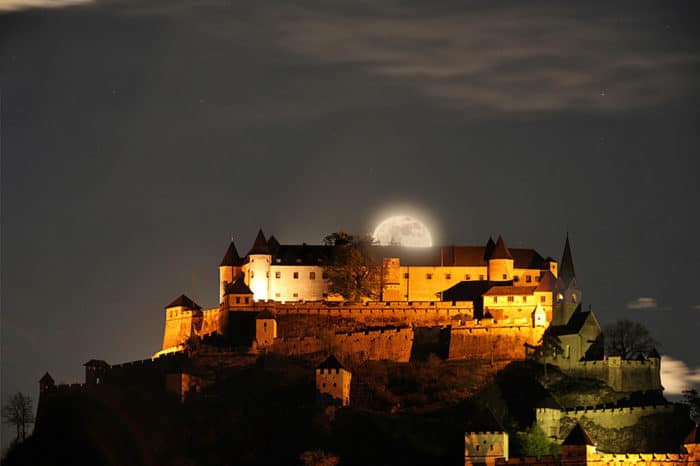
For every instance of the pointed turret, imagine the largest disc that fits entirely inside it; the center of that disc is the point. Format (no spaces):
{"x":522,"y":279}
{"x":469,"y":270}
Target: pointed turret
{"x":566,"y":269}
{"x":578,"y":437}
{"x":260,"y":245}
{"x":231,"y":258}
{"x":488,"y":250}
{"x":500,"y":250}
{"x":273,"y":244}
{"x":184,"y":302}
{"x":46,"y":382}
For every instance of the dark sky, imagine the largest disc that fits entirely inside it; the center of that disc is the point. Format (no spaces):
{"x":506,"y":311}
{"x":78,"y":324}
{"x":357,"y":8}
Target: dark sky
{"x":137,"y":137}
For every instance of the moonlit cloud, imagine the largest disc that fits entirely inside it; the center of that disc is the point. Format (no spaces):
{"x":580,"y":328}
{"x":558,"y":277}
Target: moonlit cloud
{"x":643,"y":302}
{"x":14,"y":5}
{"x":500,"y":59}
{"x":676,"y":376}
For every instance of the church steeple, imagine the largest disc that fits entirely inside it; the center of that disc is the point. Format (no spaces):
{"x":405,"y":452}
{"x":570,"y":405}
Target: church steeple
{"x":566,"y":269}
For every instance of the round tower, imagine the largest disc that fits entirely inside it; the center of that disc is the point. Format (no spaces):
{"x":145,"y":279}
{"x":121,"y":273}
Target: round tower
{"x":257,"y":268}
{"x":230,"y":269}
{"x":500,"y":262}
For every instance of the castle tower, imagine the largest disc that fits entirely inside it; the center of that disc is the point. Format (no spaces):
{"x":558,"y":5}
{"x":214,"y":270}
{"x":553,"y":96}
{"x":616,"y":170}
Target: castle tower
{"x":46,"y":383}
{"x":485,"y":441}
{"x":237,"y":294}
{"x":569,"y":293}
{"x":95,"y":370}
{"x":183,"y":317}
{"x":257,"y":268}
{"x":229,"y":269}
{"x":500,"y":262}
{"x":333,"y":380}
{"x":577,"y":448}
{"x":265,"y":328}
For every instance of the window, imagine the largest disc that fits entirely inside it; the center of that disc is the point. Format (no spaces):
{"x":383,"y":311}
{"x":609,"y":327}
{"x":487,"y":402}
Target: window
{"x":264,"y":324}
{"x":573,"y":298}
{"x":537,"y":278}
{"x":467,"y":277}
{"x":429,"y":276}
{"x":528,"y":278}
{"x":267,"y":274}
{"x":277,"y":295}
{"x":325,"y":295}
{"x":495,"y":299}
{"x":312,"y":275}
{"x":511,"y":299}
{"x":278,"y":274}
{"x":247,"y":300}
{"x":543,"y":299}
{"x":296,"y":295}
{"x":481,"y":277}
{"x":405,"y":276}
{"x":560,"y":297}
{"x":477,"y":447}
{"x":505,"y":276}
{"x":516,"y":278}
{"x":334,"y":385}
{"x":251,"y":274}
{"x":238,"y":300}
{"x":448,"y":276}
{"x":296,"y":275}
{"x":524,"y":299}
{"x":278,"y":260}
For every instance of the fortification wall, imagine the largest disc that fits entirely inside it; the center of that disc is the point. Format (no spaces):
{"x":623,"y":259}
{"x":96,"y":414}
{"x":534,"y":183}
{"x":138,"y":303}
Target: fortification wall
{"x":391,"y":343}
{"x":621,"y":375}
{"x":483,"y":340}
{"x":610,"y":459}
{"x":623,"y":429}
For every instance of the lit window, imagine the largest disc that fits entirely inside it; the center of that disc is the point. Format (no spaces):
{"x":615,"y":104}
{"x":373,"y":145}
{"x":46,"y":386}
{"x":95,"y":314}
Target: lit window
{"x":560,"y":296}
{"x":528,"y":278}
{"x":296,"y":275}
{"x":312,"y":275}
{"x":573,"y":298}
{"x":448,"y":276}
{"x":278,"y":274}
{"x":429,"y":276}
{"x":277,"y":295}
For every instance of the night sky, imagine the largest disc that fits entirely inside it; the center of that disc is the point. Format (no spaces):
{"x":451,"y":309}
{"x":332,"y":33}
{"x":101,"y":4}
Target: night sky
{"x":138,"y":137}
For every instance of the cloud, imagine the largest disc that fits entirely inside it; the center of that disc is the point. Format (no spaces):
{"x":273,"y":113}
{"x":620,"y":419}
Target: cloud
{"x":676,"y":376}
{"x":643,"y":303}
{"x":14,"y":5}
{"x":697,"y":306}
{"x":500,"y":59}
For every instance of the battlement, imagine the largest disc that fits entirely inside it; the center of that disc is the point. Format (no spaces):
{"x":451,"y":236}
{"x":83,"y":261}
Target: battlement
{"x":599,"y":410}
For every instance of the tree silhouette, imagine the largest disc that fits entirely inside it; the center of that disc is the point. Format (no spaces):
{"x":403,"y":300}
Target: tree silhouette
{"x":18,"y":411}
{"x":354,"y":273}
{"x":627,"y":339}
{"x":550,"y":345}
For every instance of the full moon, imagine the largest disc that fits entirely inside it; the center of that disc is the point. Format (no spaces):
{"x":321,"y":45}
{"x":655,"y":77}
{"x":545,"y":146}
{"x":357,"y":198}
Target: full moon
{"x":403,"y":230}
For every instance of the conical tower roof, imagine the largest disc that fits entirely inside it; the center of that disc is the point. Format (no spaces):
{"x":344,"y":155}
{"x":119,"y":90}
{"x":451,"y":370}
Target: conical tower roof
{"x":260,"y":245}
{"x":566,"y":269}
{"x":231,"y":258}
{"x":185,"y":302}
{"x":488,"y":250}
{"x":500,"y":250}
{"x":578,"y":436}
{"x":46,"y":379}
{"x":272,"y":243}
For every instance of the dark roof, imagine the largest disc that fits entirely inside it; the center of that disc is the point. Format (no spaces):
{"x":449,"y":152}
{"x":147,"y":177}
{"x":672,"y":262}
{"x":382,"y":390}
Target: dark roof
{"x":46,"y":379}
{"x":489,"y":248}
{"x":330,"y":363}
{"x":260,"y":245}
{"x":272,"y":243}
{"x":547,"y":282}
{"x":231,"y":258}
{"x":693,"y":436}
{"x":185,"y":302}
{"x":500,"y":251}
{"x":578,"y":318}
{"x":548,"y":402}
{"x":238,"y":287}
{"x":302,"y":254}
{"x":578,"y":436}
{"x":466,"y":291}
{"x":96,"y":363}
{"x":485,"y":421}
{"x":501,"y":290}
{"x":566,"y":269}
{"x":470,"y":256}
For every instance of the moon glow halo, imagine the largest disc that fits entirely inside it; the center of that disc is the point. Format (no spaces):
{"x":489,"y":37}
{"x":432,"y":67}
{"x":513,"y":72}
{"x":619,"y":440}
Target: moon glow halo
{"x":403,"y":230}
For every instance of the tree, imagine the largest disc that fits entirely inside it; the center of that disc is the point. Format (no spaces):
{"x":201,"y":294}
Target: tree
{"x":692,"y":399}
{"x":354,"y":273}
{"x":550,"y":345}
{"x":627,"y":339}
{"x":534,"y":442}
{"x":18,"y":411}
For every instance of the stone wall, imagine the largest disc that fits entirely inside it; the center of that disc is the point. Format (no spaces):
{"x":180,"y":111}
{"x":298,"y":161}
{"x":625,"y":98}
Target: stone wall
{"x":621,"y":375}
{"x":485,"y":339}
